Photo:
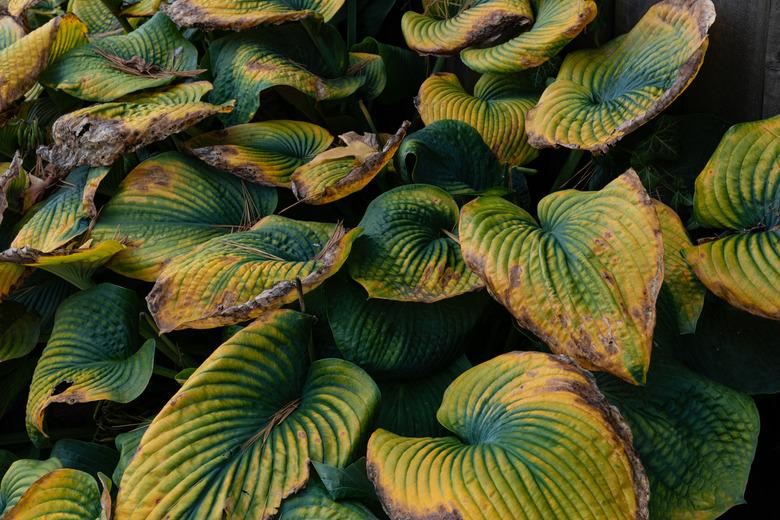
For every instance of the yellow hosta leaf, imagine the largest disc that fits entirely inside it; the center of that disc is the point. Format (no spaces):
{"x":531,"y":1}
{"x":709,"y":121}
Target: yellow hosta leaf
{"x":239,"y":15}
{"x":532,"y":438}
{"x":341,"y":171}
{"x":140,"y":8}
{"x":497,"y":110}
{"x":99,"y":134}
{"x":603,"y":94}
{"x":63,"y":494}
{"x":239,"y":276}
{"x":584,"y":278}
{"x":24,"y":60}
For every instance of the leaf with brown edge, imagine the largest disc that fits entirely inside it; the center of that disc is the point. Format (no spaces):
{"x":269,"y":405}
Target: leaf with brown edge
{"x":99,"y":134}
{"x":240,"y":276}
{"x":532,"y":437}
{"x":24,"y":60}
{"x":266,"y":152}
{"x":584,"y":278}
{"x":341,"y":171}
{"x":238,"y":15}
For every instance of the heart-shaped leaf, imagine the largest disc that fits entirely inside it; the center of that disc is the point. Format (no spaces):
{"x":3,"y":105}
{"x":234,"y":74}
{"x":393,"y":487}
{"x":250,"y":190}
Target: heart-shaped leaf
{"x":496,"y":110}
{"x":92,"y":355}
{"x":527,"y":427}
{"x":267,"y":152}
{"x":556,"y":23}
{"x":408,"y":251}
{"x":239,"y":15}
{"x":99,"y":134}
{"x":19,"y":330}
{"x":153,"y":55}
{"x":237,"y":277}
{"x":585,"y":278}
{"x":739,"y":190}
{"x":171,"y":203}
{"x":61,"y":494}
{"x":238,"y":437}
{"x":603,"y":94}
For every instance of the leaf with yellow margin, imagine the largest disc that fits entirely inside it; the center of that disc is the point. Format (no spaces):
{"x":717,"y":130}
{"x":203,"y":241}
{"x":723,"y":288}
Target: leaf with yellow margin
{"x":447,"y":27}
{"x":739,"y":191}
{"x":584,"y":278}
{"x":140,"y":8}
{"x":24,"y":60}
{"x":341,"y":171}
{"x":239,"y":276}
{"x":20,"y":476}
{"x":98,"y":18}
{"x":532,"y":437}
{"x":237,"y":438}
{"x":63,"y":494}
{"x":238,"y":15}
{"x":267,"y":152}
{"x":603,"y":94}
{"x":497,"y":110}
{"x":99,"y":134}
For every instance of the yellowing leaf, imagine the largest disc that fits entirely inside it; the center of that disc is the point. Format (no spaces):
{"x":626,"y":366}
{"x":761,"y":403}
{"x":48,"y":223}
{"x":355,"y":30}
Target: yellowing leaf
{"x":10,"y":31}
{"x":603,"y":94}
{"x":99,"y":134}
{"x":98,"y":18}
{"x":239,"y":276}
{"x":63,"y":494}
{"x":243,"y":14}
{"x":585,"y":278}
{"x":140,"y":8}
{"x":532,"y":438}
{"x":497,"y":110}
{"x":20,"y":476}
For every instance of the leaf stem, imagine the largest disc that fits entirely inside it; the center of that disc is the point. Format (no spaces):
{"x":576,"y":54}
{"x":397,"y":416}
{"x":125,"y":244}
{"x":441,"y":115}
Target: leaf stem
{"x":439,"y":65}
{"x":164,"y":372}
{"x":367,"y":116}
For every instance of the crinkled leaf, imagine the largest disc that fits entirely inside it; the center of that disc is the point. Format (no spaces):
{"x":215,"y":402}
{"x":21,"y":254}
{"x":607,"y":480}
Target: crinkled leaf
{"x":19,"y":330}
{"x":239,"y":15}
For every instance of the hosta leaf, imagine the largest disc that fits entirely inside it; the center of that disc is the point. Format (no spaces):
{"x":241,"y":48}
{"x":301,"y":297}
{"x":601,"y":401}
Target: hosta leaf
{"x":348,"y":482}
{"x":398,"y":340}
{"x":527,"y":427}
{"x":585,"y":278}
{"x":99,"y":134}
{"x":20,"y":476}
{"x":739,"y":190}
{"x":11,"y":276}
{"x":10,"y":31}
{"x":341,"y":171}
{"x":243,"y":14}
{"x":696,"y":439}
{"x":249,"y":63}
{"x":89,"y":457}
{"x":19,"y":330}
{"x":23,"y":61}
{"x":63,"y":494}
{"x":408,"y":407}
{"x":153,"y":55}
{"x":557,"y":22}
{"x":140,"y":8}
{"x":171,"y":203}
{"x":314,"y":502}
{"x":17,"y":8}
{"x":680,"y":282}
{"x":441,"y":32}
{"x":98,"y":18}
{"x":407,"y":251}
{"x":237,"y":277}
{"x":451,"y":155}
{"x":127,"y":443}
{"x":10,"y":179}
{"x":64,"y":215}
{"x":405,"y":70}
{"x":267,"y":152}
{"x":92,"y":355}
{"x":237,"y":439}
{"x":42,"y":293}
{"x":601,"y":95}
{"x":496,"y":110}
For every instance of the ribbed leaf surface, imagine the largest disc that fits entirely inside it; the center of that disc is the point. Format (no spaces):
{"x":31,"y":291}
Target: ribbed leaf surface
{"x":20,"y":476}
{"x":314,"y":502}
{"x":10,"y":31}
{"x":19,"y":330}
{"x":63,"y":494}
{"x":243,"y":14}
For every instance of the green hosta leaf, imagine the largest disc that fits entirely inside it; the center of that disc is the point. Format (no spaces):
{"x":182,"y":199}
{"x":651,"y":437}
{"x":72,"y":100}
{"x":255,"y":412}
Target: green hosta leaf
{"x":24,"y":60}
{"x":527,"y":427}
{"x":42,"y":293}
{"x":169,"y":204}
{"x":557,"y":23}
{"x":584,"y":278}
{"x":497,"y":110}
{"x":407,"y":251}
{"x":696,"y":439}
{"x":10,"y":31}
{"x":239,"y":15}
{"x":341,"y":171}
{"x":19,"y":330}
{"x":127,"y":444}
{"x":246,"y":64}
{"x":451,"y":155}
{"x":739,"y":190}
{"x":314,"y":502}
{"x":408,"y":406}
{"x":601,"y":95}
{"x":63,"y":494}
{"x":96,"y":16}
{"x":19,"y":477}
{"x":238,"y":437}
{"x":92,"y":355}
{"x":441,"y":32}
{"x":348,"y":482}
{"x":85,"y":456}
{"x":6,"y":459}
{"x":153,"y":55}
{"x":99,"y":134}
{"x":237,"y":277}
{"x":267,"y":152}
{"x":398,"y":340}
